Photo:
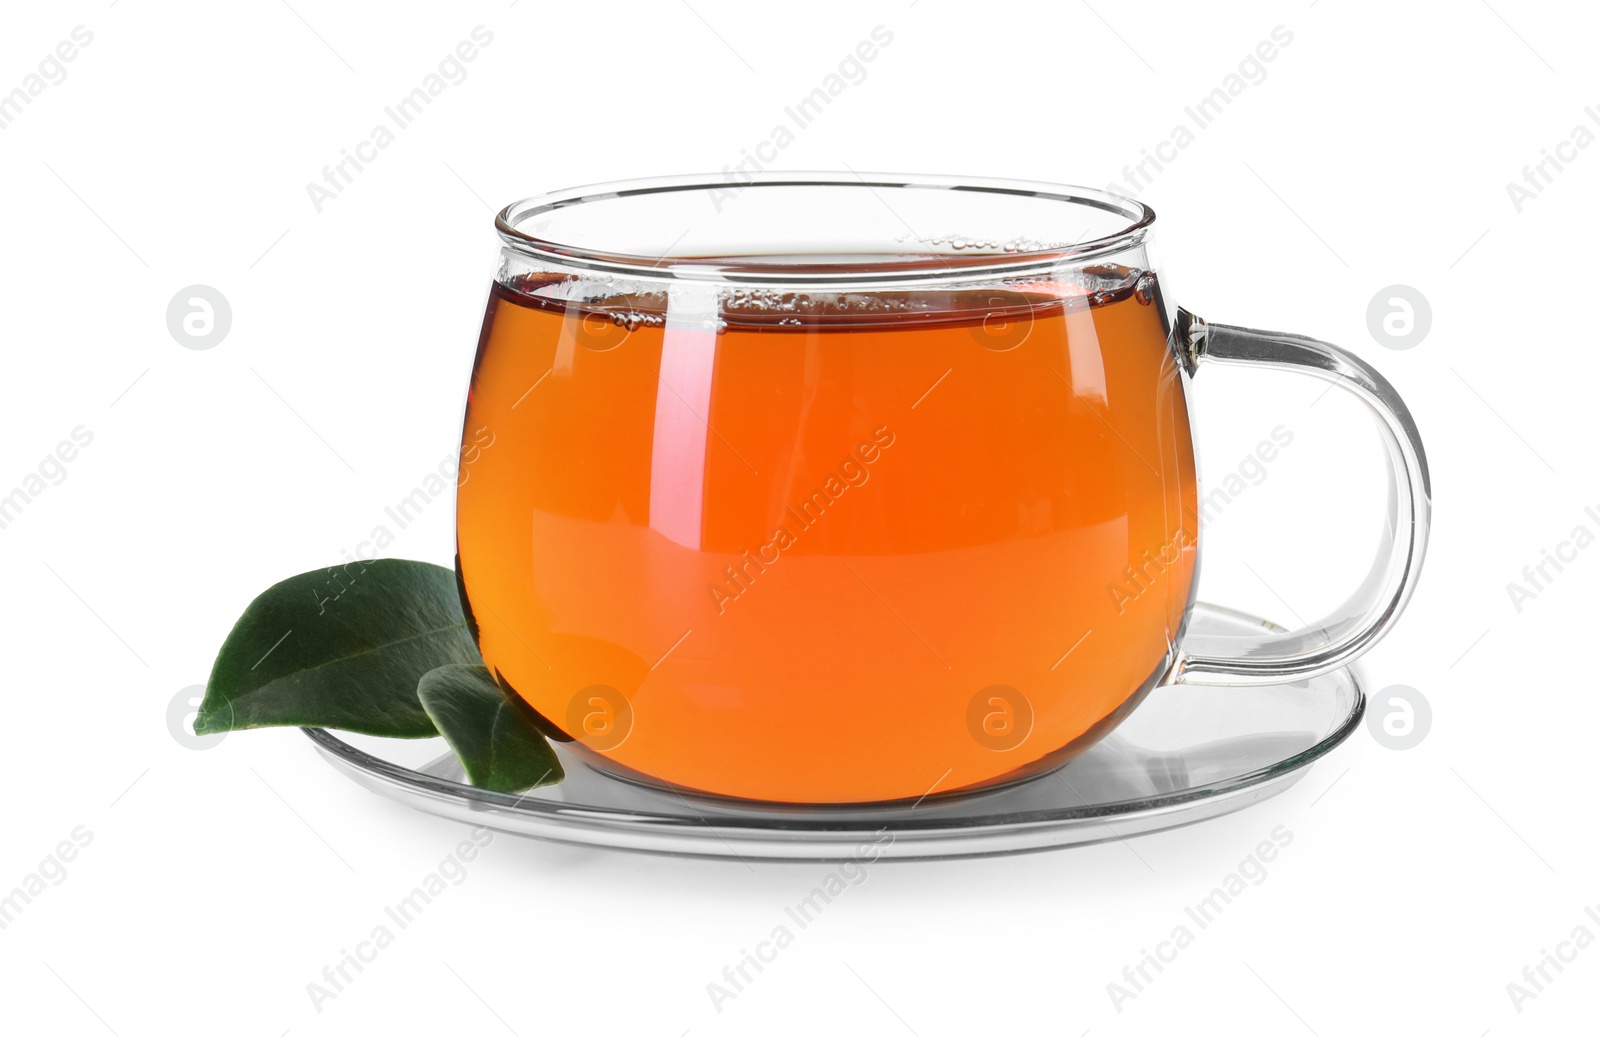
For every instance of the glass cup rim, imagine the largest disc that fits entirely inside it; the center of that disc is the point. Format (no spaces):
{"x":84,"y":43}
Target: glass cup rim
{"x":1138,"y":218}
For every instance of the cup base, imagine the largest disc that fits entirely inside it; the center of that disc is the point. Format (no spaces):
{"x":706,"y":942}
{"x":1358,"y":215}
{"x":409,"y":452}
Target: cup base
{"x":1186,"y":754}
{"x":1032,"y":771}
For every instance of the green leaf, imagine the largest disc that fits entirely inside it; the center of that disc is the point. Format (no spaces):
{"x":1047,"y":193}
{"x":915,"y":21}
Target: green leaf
{"x":341,"y":647}
{"x":492,"y":735}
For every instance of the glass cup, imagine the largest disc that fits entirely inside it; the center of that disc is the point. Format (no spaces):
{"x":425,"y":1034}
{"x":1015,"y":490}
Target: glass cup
{"x":820,"y":488}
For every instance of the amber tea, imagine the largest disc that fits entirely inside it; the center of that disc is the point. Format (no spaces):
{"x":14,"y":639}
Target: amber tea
{"x":812,"y":547}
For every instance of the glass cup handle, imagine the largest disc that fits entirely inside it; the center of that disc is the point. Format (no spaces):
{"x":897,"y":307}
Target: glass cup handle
{"x":1356,"y":625}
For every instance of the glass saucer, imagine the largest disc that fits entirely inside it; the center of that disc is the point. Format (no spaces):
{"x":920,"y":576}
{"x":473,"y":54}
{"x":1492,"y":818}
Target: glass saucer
{"x":1185,"y":754}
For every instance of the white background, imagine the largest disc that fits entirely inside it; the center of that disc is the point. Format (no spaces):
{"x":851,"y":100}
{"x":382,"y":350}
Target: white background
{"x":219,"y":883}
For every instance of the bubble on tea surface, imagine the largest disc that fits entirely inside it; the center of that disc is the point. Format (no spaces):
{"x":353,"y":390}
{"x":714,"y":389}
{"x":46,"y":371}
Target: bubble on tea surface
{"x":1024,"y":244}
{"x":598,"y":331}
{"x":999,"y":313}
{"x":959,"y":242}
{"x":968,"y":243}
